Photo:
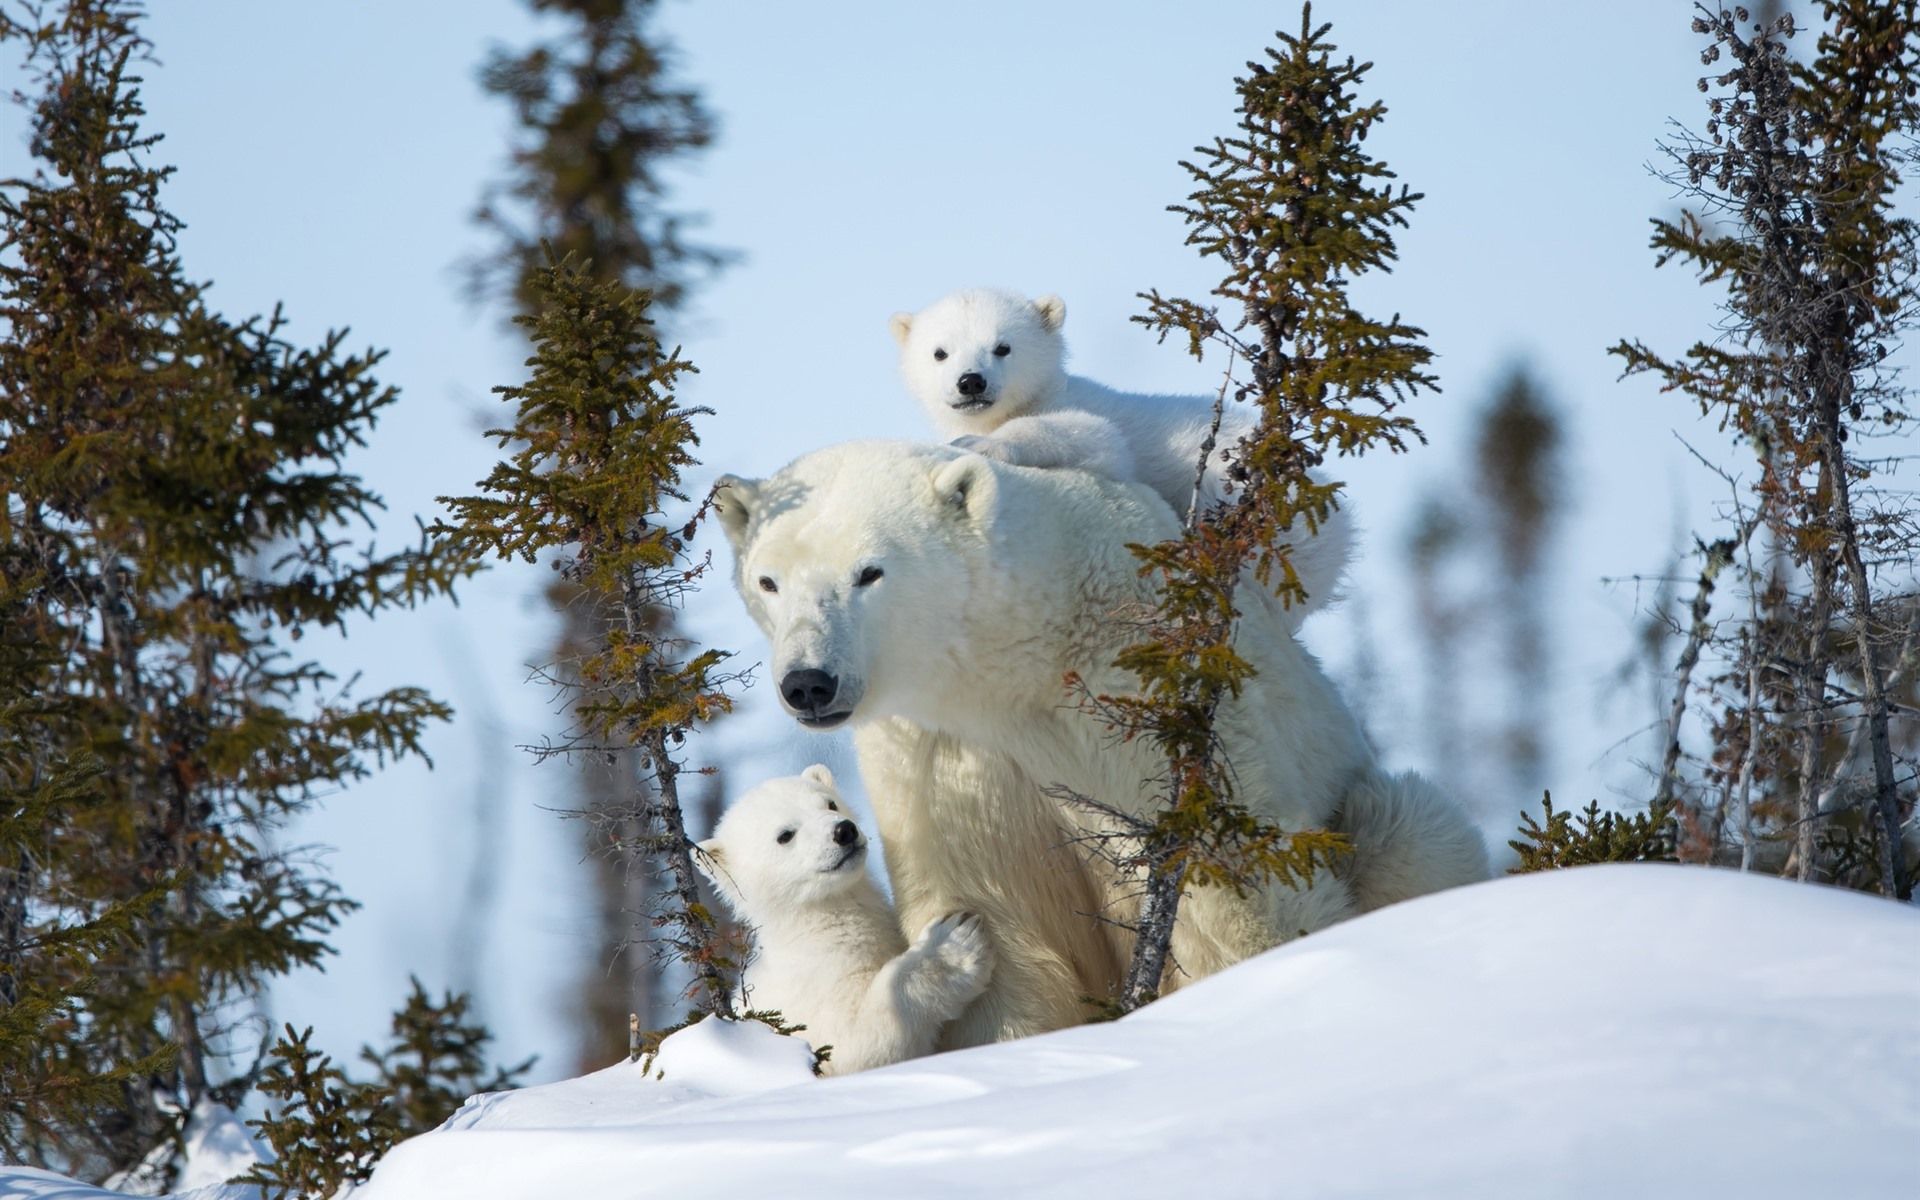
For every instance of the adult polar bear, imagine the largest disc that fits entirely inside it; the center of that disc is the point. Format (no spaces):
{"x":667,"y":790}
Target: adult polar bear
{"x":936,"y":599}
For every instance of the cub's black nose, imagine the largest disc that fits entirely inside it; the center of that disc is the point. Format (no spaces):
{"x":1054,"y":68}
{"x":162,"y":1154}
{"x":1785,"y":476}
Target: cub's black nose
{"x":844,"y":833}
{"x":809,"y":690}
{"x":972,"y":383}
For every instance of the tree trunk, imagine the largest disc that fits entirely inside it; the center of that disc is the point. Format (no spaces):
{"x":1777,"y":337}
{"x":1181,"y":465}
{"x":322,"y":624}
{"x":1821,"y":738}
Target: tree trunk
{"x":1699,"y":632}
{"x":685,"y":891}
{"x":1153,"y":932}
{"x":1813,"y":702}
{"x":1886,"y":797}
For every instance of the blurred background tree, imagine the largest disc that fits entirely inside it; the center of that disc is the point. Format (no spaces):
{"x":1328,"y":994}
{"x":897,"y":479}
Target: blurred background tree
{"x":1479,"y":561}
{"x":1519,"y":478}
{"x":599,"y":119}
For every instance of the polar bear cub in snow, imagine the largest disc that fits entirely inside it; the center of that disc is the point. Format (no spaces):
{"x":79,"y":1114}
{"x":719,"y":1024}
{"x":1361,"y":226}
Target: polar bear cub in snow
{"x":990,"y":369}
{"x":828,"y":950}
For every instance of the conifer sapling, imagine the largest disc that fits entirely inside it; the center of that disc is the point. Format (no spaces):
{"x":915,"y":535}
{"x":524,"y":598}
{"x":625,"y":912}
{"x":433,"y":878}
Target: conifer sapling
{"x":1293,"y":210}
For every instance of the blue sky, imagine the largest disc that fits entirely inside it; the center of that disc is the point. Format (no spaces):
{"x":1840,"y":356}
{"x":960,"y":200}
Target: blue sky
{"x":872,"y":157}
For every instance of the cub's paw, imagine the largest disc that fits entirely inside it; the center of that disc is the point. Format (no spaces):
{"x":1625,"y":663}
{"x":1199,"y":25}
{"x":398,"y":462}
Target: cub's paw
{"x":958,"y":942}
{"x":990,"y":447}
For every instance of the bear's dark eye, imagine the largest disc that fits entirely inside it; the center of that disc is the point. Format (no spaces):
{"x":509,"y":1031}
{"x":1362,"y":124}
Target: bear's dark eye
{"x":767,"y":584}
{"x":939,"y":356}
{"x":1002,"y":350}
{"x":832,"y":807}
{"x":786,"y":835}
{"x":869,"y":576}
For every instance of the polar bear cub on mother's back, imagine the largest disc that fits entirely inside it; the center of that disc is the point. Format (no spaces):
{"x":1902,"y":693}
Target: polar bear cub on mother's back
{"x":990,"y":369}
{"x":828,"y":951}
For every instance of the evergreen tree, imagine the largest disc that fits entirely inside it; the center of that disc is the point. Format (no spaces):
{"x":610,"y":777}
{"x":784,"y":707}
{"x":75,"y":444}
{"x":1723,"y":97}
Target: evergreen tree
{"x":1798,"y":213}
{"x":1516,"y":453}
{"x":177,"y":513}
{"x":1293,"y":210}
{"x":49,"y":1085}
{"x":1602,"y":837}
{"x":326,"y":1130}
{"x":601,"y":449}
{"x":1477,"y":557}
{"x":438,"y":1058}
{"x":1436,"y":544}
{"x":598,"y":116}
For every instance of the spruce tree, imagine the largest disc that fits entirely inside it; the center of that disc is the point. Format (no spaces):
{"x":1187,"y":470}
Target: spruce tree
{"x":1294,"y":210}
{"x":49,"y":1084}
{"x":600,"y":448}
{"x":437,"y":1058}
{"x":1602,"y":837}
{"x":1518,"y":483}
{"x":598,"y":115}
{"x":1476,"y":560}
{"x":326,"y":1129}
{"x":1438,"y":541}
{"x":178,"y":512}
{"x":1797,"y":210}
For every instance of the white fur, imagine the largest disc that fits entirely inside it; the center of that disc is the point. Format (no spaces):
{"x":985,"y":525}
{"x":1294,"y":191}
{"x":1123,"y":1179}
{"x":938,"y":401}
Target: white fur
{"x":1032,"y":413}
{"x":970,"y":830}
{"x":996,"y":582}
{"x":828,"y":950}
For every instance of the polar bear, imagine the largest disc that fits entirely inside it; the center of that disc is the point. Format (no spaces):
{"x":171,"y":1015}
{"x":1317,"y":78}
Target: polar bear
{"x":989,"y":368}
{"x":919,"y":591}
{"x":828,"y":951}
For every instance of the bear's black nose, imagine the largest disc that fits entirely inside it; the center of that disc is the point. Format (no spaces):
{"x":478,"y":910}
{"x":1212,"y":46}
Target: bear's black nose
{"x":972,"y":383}
{"x":808,"y":691}
{"x":844,"y":833}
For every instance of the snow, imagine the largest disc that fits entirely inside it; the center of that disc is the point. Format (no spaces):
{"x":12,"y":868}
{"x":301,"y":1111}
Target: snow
{"x":702,"y":1062}
{"x":1635,"y":1031}
{"x":25,"y":1183}
{"x":219,"y":1146}
{"x":216,"y":1145}
{"x":1607,"y":1032}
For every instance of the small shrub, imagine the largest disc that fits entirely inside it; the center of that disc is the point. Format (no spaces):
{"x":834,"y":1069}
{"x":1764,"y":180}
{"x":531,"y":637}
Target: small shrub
{"x":325,"y":1131}
{"x":1569,"y":839}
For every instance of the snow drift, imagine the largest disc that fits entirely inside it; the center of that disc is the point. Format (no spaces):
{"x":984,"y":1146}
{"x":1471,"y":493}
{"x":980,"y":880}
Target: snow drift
{"x":1607,"y":1032}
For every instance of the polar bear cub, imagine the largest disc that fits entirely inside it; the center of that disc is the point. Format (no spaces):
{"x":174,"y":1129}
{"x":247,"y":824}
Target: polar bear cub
{"x":989,"y":367}
{"x":828,"y":950}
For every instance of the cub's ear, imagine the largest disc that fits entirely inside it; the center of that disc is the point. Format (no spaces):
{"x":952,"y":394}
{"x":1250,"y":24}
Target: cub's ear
{"x":735,"y":499}
{"x":902,"y":325}
{"x":965,"y":485}
{"x":819,"y":774}
{"x":1053,"y":312}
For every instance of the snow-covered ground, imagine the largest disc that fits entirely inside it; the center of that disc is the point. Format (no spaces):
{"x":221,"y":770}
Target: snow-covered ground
{"x":1608,"y":1032}
{"x":218,"y":1147}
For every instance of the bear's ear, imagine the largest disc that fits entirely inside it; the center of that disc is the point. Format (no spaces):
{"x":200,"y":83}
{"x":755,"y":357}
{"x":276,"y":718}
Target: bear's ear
{"x":964,"y":485}
{"x":819,"y":774}
{"x":1053,"y":312}
{"x":902,"y":325}
{"x":735,"y":499}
